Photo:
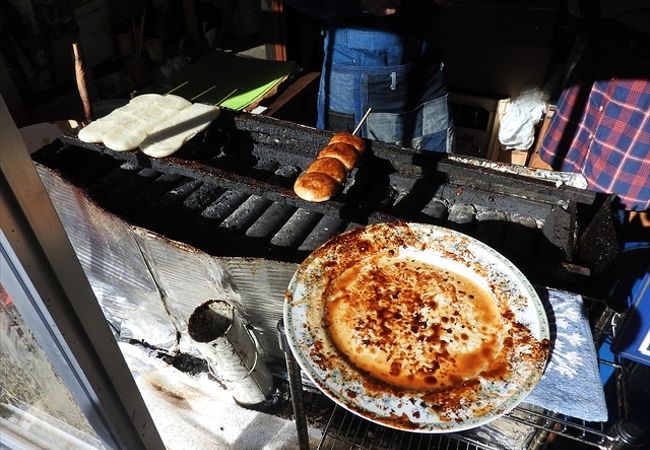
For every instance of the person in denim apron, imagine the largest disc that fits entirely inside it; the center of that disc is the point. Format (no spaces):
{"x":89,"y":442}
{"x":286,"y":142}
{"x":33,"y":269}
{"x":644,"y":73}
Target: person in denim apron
{"x":386,"y":59}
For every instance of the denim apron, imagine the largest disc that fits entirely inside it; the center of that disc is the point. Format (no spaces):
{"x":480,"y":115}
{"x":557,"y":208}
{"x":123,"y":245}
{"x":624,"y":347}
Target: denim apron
{"x":399,"y":77}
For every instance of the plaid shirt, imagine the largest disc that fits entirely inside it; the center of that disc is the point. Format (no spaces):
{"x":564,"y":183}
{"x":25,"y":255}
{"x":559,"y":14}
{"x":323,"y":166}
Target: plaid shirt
{"x":601,"y":128}
{"x":611,"y":142}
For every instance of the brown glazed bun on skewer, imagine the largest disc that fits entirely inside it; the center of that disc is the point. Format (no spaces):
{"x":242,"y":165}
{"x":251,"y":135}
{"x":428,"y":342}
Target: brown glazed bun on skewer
{"x":343,"y":152}
{"x":316,"y":187}
{"x":325,"y":176}
{"x":329,"y":166}
{"x":347,"y":138}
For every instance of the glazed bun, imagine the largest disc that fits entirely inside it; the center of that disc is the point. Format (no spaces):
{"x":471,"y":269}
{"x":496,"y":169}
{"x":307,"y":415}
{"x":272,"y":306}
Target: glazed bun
{"x":316,"y":187}
{"x":347,"y":138}
{"x":329,"y":166}
{"x":326,"y":175}
{"x":341,"y":151}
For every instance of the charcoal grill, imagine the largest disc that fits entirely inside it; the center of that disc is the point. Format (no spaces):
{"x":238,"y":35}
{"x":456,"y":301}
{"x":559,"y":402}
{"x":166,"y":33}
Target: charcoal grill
{"x":228,"y":192}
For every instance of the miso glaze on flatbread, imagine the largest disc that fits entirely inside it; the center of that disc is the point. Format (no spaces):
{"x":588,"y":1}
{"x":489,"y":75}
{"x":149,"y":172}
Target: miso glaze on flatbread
{"x":415,"y":326}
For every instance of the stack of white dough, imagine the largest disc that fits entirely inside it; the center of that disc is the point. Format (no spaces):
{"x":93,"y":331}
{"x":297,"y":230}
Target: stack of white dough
{"x":158,"y":124}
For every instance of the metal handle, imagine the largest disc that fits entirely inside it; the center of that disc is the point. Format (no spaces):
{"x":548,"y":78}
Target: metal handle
{"x":295,"y":386}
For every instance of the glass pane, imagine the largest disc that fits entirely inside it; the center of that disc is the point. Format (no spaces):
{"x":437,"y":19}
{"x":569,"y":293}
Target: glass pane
{"x":35,"y":405}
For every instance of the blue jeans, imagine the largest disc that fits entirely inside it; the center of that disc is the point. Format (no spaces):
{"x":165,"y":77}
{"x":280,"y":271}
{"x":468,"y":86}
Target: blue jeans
{"x":399,"y":77}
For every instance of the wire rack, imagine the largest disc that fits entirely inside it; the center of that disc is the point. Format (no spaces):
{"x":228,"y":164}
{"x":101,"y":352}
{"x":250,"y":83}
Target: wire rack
{"x":526,"y":427}
{"x":591,"y":433}
{"x":345,"y":430}
{"x":348,"y":431}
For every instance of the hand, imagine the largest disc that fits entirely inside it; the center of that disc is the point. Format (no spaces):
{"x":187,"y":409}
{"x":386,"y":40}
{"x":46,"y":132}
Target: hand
{"x":383,"y":7}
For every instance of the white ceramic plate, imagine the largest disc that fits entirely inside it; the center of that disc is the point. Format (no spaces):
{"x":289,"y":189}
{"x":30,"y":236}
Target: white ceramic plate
{"x":471,"y":400}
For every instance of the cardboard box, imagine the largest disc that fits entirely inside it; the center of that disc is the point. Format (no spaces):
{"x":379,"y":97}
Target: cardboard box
{"x":476,"y":121}
{"x":514,"y":156}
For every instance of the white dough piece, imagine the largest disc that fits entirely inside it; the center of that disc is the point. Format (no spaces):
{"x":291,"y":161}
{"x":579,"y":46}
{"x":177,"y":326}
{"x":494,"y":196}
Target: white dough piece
{"x":166,"y":101}
{"x":146,"y":98}
{"x":133,"y":107}
{"x":153,"y":101}
{"x":125,"y":134}
{"x":129,"y":133}
{"x":170,"y":135}
{"x":127,"y":126}
{"x":122,"y":138}
{"x":95,"y":131}
{"x":155,"y":114}
{"x":175,"y":102}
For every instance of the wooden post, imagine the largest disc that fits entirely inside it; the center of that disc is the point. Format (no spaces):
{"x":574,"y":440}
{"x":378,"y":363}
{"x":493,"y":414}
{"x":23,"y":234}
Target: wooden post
{"x":276,"y":50}
{"x":80,"y":75}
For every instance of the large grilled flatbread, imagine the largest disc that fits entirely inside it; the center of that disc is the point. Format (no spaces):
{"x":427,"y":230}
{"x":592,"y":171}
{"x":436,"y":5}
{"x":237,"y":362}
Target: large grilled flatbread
{"x":413,"y":325}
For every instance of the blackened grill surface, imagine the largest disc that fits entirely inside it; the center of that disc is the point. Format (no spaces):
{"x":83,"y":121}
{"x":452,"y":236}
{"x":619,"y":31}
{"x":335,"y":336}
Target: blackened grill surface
{"x":229,"y":192}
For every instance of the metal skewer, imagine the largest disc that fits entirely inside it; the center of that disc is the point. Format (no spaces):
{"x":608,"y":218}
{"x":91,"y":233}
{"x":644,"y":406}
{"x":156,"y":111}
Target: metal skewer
{"x":230,"y":94}
{"x":177,"y":87}
{"x":203,"y":93}
{"x":363,"y":119}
